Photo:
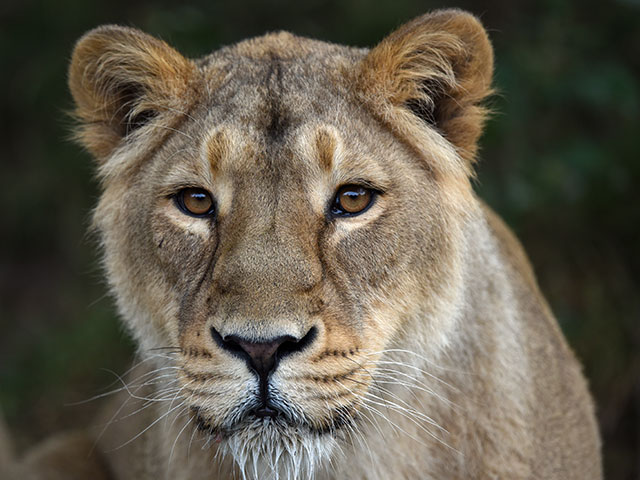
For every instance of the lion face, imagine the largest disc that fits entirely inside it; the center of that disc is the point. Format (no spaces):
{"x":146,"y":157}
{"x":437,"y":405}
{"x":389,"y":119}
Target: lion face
{"x":272,"y":232}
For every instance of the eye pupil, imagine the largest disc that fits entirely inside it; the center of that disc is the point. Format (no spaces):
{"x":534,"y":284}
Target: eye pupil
{"x":195,"y":201}
{"x":351,"y":200}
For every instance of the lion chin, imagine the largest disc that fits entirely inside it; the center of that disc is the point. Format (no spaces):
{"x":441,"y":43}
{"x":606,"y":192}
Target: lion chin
{"x":273,"y":449}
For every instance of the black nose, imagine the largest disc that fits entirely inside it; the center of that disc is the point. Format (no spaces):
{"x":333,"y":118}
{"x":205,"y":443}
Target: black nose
{"x":263,"y":356}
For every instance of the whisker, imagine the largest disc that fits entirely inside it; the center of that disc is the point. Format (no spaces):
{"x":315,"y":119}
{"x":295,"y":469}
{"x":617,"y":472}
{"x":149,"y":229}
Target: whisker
{"x":359,"y":399}
{"x":419,"y":370}
{"x":176,"y":396}
{"x":366,"y":405}
{"x":409,"y":415}
{"x":193,"y":433}
{"x":421,"y":357}
{"x":407,"y":407}
{"x":105,"y":394}
{"x":417,"y":385}
{"x":180,"y":405}
{"x":189,"y":420}
{"x":176,"y":349}
{"x":135,"y":412}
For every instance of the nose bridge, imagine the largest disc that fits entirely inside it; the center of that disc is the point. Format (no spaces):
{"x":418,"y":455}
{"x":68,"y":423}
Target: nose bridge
{"x":267,"y":261}
{"x":273,"y":259}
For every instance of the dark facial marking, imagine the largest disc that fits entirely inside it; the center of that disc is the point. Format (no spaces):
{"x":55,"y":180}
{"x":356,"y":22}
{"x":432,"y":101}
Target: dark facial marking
{"x":278,"y":120}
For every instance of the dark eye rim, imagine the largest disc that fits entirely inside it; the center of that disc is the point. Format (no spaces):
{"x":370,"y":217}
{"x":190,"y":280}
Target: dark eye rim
{"x":179,"y":202}
{"x":336,"y":212}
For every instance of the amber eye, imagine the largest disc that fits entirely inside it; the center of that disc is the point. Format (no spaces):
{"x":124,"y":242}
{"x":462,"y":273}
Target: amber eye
{"x":195,"y":201}
{"x":352,"y":200}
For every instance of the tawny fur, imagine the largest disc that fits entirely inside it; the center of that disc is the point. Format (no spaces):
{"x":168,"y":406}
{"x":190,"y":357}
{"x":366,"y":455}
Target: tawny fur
{"x":434,"y":354}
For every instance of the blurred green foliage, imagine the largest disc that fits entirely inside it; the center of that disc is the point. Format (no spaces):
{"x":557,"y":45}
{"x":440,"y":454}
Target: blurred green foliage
{"x":559,"y":162}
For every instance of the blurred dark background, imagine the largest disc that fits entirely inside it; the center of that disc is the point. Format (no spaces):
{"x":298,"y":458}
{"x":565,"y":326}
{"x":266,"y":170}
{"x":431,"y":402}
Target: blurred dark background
{"x":560,"y":161}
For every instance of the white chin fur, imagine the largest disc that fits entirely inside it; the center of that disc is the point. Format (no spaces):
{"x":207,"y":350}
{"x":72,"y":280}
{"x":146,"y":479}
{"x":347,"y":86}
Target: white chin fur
{"x":267,"y":451}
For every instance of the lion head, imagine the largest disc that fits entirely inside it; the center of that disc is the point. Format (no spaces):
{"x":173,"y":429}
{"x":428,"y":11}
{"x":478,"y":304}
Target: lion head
{"x":283,"y":218}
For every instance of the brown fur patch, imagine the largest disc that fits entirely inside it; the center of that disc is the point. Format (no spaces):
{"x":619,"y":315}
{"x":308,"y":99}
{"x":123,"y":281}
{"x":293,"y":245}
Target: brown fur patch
{"x":217,"y":150}
{"x":325,"y":149}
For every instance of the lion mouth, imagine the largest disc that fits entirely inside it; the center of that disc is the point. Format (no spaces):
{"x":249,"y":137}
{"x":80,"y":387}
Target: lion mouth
{"x":272,"y":418}
{"x":270,"y":426}
{"x":257,"y":417}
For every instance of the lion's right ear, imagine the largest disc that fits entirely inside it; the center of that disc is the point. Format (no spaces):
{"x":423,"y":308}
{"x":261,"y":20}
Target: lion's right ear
{"x":120,"y":79}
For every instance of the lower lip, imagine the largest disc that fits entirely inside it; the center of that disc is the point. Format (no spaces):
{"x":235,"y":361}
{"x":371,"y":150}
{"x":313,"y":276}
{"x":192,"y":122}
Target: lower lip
{"x":265,"y":412}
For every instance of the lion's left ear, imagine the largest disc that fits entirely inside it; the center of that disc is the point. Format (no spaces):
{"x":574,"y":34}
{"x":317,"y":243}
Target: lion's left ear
{"x":438,"y":67}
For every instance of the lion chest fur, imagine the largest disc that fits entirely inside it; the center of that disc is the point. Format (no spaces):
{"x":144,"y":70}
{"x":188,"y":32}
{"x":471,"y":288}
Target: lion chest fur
{"x":284,"y":336}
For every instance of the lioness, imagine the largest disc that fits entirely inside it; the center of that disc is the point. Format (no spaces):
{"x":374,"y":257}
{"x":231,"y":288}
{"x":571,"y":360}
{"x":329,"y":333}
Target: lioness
{"x":292,"y":239}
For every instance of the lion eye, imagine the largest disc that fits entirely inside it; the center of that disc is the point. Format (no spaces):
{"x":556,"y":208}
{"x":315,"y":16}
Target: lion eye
{"x":196,"y":202}
{"x":352,"y":200}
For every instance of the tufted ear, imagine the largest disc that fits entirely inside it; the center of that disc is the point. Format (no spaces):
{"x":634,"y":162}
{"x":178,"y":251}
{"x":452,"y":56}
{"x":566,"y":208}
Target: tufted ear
{"x":438,"y":67}
{"x":120,"y":79}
